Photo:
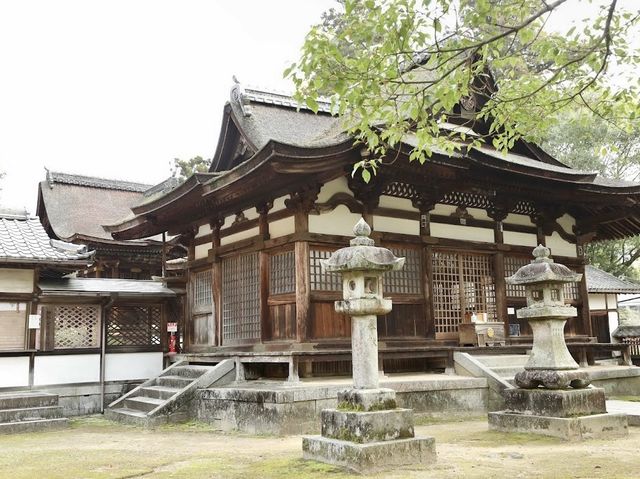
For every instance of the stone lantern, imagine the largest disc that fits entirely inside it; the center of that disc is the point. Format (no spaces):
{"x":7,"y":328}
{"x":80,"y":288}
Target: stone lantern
{"x":367,"y":432}
{"x":552,"y":398}
{"x":550,"y":363}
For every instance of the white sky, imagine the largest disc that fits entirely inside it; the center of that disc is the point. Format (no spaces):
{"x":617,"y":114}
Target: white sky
{"x":119,"y":88}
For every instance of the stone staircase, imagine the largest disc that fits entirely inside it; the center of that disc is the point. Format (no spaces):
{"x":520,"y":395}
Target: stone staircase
{"x":505,"y":366}
{"x":166,"y":397}
{"x":30,"y":411}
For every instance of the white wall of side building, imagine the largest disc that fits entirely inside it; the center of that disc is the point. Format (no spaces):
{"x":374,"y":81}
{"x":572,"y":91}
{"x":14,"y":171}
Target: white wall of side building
{"x":14,"y":280}
{"x":66,"y":369}
{"x":131,"y":366}
{"x":14,"y":371}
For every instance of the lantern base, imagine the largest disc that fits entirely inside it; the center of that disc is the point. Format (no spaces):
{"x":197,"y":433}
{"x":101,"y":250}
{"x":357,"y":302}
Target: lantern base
{"x":552,"y":379}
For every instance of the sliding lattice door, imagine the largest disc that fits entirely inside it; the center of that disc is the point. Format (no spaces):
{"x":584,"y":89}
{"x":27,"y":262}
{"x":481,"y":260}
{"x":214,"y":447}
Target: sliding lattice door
{"x":463,"y":284}
{"x":241,"y":299}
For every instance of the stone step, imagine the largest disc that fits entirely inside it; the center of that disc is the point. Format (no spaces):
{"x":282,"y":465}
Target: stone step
{"x":34,"y":425}
{"x":19,"y":400}
{"x":126,"y":415}
{"x":192,"y":372}
{"x":32,"y":413}
{"x":178,"y":382}
{"x":507,"y":371}
{"x":142,"y":403}
{"x":159,"y":392}
{"x":501,"y":360}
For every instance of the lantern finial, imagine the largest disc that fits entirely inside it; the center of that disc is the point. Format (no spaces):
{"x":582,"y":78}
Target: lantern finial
{"x":541,"y":254}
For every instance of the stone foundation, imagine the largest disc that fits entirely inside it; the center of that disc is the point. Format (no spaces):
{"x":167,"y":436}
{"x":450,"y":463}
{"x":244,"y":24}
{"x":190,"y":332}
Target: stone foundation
{"x":596,"y":426}
{"x":572,"y":415}
{"x":370,"y":457}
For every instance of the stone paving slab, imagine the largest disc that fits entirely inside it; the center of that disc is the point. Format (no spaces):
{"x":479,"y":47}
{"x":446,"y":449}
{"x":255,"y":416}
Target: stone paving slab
{"x":630,"y":408}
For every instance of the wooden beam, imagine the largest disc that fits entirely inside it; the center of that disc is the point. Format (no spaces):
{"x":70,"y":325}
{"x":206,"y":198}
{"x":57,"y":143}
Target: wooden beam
{"x":303,"y":290}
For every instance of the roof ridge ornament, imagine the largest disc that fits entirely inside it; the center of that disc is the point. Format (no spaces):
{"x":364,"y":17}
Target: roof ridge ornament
{"x":239,"y":97}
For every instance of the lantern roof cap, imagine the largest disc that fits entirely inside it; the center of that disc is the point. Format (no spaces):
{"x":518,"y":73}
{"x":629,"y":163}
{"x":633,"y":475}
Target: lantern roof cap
{"x":543,"y":270}
{"x":362,"y":254}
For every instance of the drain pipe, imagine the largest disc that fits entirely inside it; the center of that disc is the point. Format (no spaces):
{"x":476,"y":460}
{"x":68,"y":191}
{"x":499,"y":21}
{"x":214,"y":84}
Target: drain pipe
{"x":103,"y":348}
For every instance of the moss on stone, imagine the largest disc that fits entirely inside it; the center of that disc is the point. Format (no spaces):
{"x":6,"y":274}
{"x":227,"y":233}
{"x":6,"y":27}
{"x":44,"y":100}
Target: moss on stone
{"x":347,"y":406}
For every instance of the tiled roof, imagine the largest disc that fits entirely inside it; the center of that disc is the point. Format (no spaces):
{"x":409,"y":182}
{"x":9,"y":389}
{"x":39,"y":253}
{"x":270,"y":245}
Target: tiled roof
{"x":599,"y":281}
{"x":24,"y":239}
{"x":105,"y":286}
{"x":54,"y":177}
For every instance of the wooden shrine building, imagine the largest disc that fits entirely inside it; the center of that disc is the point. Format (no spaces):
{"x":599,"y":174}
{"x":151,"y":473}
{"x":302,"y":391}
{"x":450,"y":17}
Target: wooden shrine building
{"x":280,"y":197}
{"x":73,"y":208}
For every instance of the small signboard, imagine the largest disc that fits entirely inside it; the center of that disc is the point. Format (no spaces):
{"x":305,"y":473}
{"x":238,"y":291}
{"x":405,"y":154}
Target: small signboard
{"x":34,"y":321}
{"x":172,"y":327}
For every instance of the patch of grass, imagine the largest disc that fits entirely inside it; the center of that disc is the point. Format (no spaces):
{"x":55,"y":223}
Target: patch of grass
{"x":294,"y":468}
{"x":430,"y":420}
{"x":626,"y":398}
{"x":188,"y":426}
{"x":492,"y":438}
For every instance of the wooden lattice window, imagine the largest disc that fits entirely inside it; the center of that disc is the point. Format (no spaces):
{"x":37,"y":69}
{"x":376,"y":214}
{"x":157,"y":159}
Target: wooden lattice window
{"x":134,"y":325}
{"x":463,"y":284}
{"x":76,"y":326}
{"x":511,"y":265}
{"x":13,"y":317}
{"x":571,"y":291}
{"x":319,"y":279}
{"x":282,"y":273}
{"x":202,"y":318}
{"x":241,"y":298}
{"x":408,"y":280}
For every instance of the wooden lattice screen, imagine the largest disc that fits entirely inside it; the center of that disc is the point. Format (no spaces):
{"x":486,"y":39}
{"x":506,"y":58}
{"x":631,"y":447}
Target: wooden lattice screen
{"x":511,"y":265}
{"x":514,"y":263}
{"x":203,"y":326}
{"x":634,"y":346}
{"x":241,"y":298}
{"x":451,"y":301}
{"x":134,"y":325}
{"x":282,"y":273}
{"x":319,"y":280}
{"x":76,"y":326}
{"x":408,"y":280}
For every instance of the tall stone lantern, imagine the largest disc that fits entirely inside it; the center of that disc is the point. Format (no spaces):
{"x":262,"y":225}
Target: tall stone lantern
{"x":550,"y":363}
{"x":367,"y":432}
{"x":552,"y":397}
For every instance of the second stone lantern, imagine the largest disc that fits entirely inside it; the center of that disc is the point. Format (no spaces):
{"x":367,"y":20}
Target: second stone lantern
{"x":367,"y":432}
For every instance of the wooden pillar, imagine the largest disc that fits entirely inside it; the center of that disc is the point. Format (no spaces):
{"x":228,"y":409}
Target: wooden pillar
{"x":301,"y":202}
{"x":501,"y":291}
{"x":425,"y":203}
{"x":430,"y":329}
{"x":263,"y":222}
{"x":585,"y":316}
{"x":216,"y":279}
{"x":303,"y":293}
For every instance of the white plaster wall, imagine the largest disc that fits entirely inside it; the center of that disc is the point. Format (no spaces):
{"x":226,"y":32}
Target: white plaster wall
{"x":396,"y":203}
{"x":340,"y":221}
{"x":339,"y":185}
{"x":13,"y":280}
{"x":522,"y":239}
{"x":202,"y":250}
{"x":278,"y":204}
{"x":396,"y":225}
{"x":239,"y":236}
{"x":515,"y":219}
{"x":14,"y":371}
{"x":203,"y":230}
{"x":567,"y":222}
{"x":123,"y":366}
{"x":612,"y":301}
{"x":64,"y":369}
{"x":560,"y":247}
{"x":283,"y":227}
{"x":461,"y":232}
{"x":613,"y":323}
{"x":251,"y":214}
{"x":445,"y":210}
{"x":597,"y":301}
{"x":478,"y":214}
